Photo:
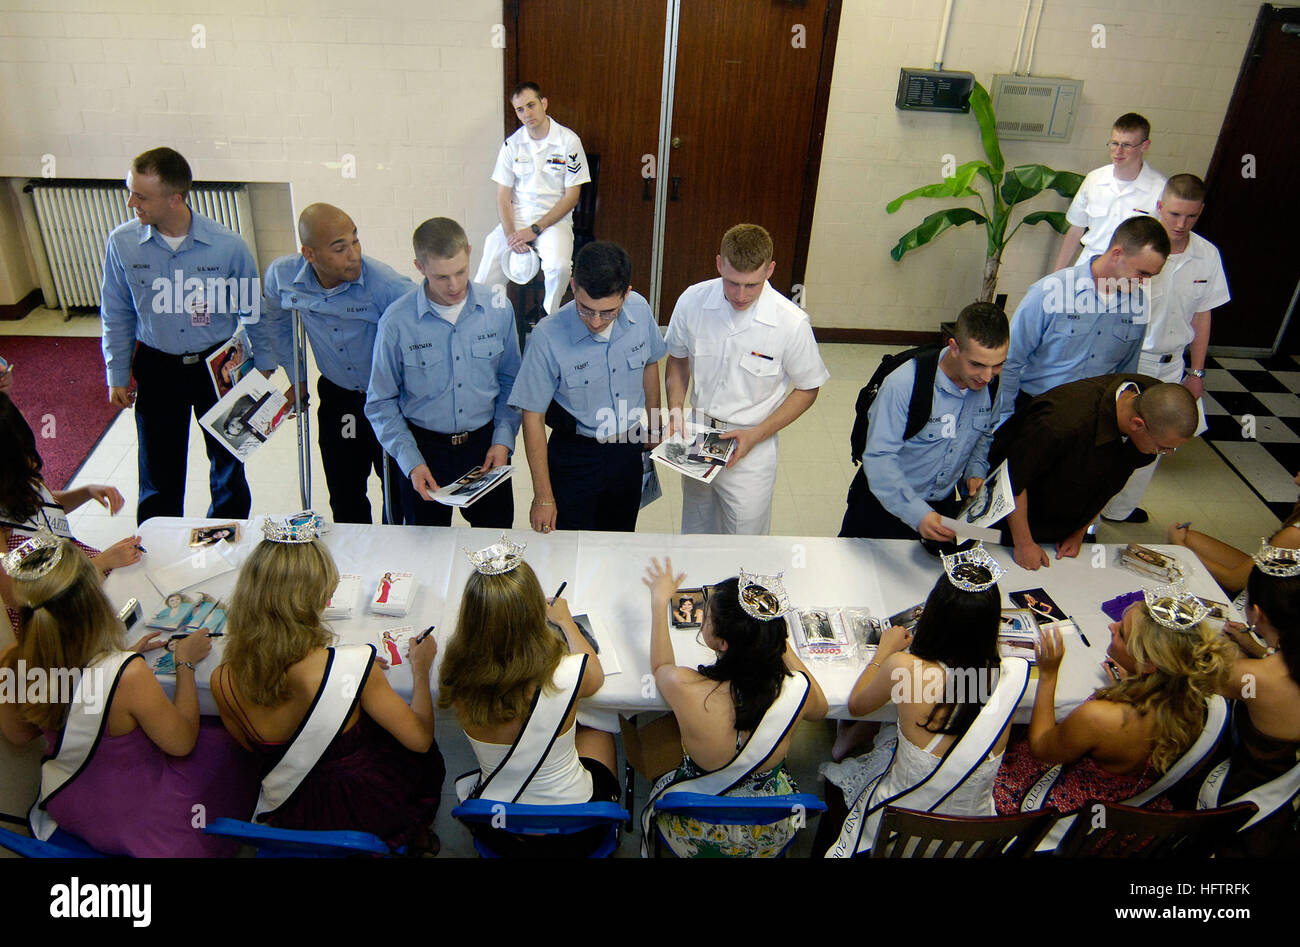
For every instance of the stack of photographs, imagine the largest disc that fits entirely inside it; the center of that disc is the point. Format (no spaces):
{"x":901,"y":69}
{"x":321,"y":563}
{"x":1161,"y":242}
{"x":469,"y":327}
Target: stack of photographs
{"x":822,"y":634}
{"x":1146,"y":561}
{"x":699,"y":455}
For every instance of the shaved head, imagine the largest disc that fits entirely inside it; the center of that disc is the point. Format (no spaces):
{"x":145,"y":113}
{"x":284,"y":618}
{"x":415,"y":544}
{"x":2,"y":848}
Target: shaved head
{"x":329,"y":243}
{"x":1168,"y":409}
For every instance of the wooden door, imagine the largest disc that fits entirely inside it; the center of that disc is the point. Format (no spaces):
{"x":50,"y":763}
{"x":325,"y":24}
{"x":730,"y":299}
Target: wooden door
{"x":743,"y":129}
{"x":1254,"y":190}
{"x":599,"y":64}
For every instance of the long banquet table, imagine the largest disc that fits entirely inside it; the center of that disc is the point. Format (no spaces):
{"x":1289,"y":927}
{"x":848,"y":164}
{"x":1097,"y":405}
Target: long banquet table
{"x":604,"y":574}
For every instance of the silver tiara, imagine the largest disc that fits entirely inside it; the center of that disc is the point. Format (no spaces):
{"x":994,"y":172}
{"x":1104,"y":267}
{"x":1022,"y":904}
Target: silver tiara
{"x":1174,"y":607}
{"x":16,"y":562}
{"x":502,"y":556}
{"x":763,"y":596}
{"x":972,"y":570}
{"x":1273,"y":560}
{"x":299,"y":528}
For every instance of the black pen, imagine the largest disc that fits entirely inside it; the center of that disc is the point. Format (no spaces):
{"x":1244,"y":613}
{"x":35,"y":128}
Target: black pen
{"x":560,"y":590}
{"x":424,"y":634}
{"x":1082,"y":636}
{"x":215,"y":634}
{"x":141,"y":548}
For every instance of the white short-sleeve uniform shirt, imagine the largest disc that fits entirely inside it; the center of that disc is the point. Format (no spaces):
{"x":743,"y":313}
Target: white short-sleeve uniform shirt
{"x":540,"y":171}
{"x":1190,"y":282}
{"x":1102,"y":203}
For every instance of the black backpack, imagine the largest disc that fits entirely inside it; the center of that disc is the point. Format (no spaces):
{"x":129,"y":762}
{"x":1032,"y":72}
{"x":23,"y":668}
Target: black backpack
{"x":918,"y":408}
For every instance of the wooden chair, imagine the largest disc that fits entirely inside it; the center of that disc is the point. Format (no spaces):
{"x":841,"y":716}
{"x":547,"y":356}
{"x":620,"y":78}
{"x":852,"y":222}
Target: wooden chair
{"x":905,"y":833}
{"x":1113,"y":830}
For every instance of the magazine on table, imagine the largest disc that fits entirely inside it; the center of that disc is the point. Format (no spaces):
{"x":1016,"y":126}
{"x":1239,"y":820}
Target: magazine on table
{"x":246,"y":416}
{"x":990,"y":504}
{"x":699,"y":454}
{"x":473,"y":486}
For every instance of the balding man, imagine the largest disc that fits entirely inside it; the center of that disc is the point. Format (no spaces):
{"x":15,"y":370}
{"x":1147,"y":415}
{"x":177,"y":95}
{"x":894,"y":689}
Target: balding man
{"x":340,"y":294}
{"x":1073,"y":448}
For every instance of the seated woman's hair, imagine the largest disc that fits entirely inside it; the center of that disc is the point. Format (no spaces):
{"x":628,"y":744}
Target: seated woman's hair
{"x":65,"y":622}
{"x":1279,"y":599}
{"x":753,"y":663}
{"x":274,"y":619}
{"x":959,"y":630}
{"x":1190,"y":666}
{"x":502,"y":651}
{"x":20,"y":464}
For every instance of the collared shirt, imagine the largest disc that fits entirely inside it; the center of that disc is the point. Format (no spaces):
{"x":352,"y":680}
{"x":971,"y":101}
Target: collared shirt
{"x":598,"y":382}
{"x":540,"y":171}
{"x":954,"y":443}
{"x":445,"y":378}
{"x":1063,"y":331}
{"x":179,"y":301}
{"x":1192,"y":281}
{"x":341,"y":322}
{"x":1066,"y":450}
{"x":743,"y":363}
{"x":1103,"y":202}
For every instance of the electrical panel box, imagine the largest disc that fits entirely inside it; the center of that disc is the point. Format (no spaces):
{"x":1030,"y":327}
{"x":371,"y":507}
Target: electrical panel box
{"x":1036,"y":108}
{"x":932,"y":90}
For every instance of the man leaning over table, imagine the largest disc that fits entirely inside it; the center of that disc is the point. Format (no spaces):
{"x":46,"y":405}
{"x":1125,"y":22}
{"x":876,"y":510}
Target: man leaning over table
{"x":340,"y":295}
{"x":445,"y":360}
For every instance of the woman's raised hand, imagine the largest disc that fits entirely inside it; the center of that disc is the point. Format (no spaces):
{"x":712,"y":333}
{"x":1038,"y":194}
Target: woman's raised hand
{"x":661,"y":581}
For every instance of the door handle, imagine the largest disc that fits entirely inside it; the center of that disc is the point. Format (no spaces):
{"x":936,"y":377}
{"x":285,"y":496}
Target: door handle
{"x":648,"y":190}
{"x":673,"y":193}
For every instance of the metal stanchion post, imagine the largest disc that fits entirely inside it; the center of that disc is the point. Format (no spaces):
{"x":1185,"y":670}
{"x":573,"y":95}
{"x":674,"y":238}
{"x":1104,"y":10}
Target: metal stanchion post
{"x":299,"y":378}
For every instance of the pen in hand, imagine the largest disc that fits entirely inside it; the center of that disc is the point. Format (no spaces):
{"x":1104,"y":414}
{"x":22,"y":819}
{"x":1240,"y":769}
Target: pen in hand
{"x":560,"y":590}
{"x":424,"y":634}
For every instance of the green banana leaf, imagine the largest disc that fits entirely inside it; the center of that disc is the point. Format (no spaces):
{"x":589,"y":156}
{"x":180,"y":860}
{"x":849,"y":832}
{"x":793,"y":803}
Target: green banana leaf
{"x":956,"y":186}
{"x":934,"y":225}
{"x":1027,"y":180}
{"x":982,"y":106}
{"x":1054,"y":217}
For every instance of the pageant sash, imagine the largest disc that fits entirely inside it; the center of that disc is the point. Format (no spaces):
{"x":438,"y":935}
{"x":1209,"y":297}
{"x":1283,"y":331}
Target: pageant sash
{"x":340,"y":690}
{"x":1269,"y":797}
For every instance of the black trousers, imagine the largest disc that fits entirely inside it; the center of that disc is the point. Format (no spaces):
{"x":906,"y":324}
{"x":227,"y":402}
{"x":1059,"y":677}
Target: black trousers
{"x":349,"y":450}
{"x":448,"y":463}
{"x":596,"y":486}
{"x":168,"y":391}
{"x":867,"y":518}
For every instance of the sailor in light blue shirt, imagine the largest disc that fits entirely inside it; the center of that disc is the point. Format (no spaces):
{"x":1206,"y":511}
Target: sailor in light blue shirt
{"x":1086,"y":320}
{"x":445,"y":362}
{"x":340,"y":295}
{"x":910,"y":477}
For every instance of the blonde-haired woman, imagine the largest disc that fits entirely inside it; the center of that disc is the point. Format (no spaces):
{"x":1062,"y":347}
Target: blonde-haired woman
{"x":343,"y":750}
{"x":128,"y":766}
{"x":1119,"y":742}
{"x":515,"y":685}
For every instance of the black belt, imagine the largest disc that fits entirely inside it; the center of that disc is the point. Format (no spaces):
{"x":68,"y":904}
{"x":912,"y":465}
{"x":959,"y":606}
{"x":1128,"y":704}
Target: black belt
{"x":189,"y":358}
{"x":453,"y":440}
{"x":1166,"y":359}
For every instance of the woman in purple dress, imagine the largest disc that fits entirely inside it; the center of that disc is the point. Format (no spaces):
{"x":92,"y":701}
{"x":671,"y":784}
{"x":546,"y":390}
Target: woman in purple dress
{"x":131,"y":775}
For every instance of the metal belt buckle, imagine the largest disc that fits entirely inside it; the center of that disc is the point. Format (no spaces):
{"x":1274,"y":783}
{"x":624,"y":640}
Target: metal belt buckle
{"x":458,"y":439}
{"x":1166,"y":359}
{"x":192,"y":359}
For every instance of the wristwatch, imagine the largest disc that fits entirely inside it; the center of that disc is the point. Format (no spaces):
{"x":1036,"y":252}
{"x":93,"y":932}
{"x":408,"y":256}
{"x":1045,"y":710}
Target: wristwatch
{"x":537,"y":231}
{"x":1196,"y":372}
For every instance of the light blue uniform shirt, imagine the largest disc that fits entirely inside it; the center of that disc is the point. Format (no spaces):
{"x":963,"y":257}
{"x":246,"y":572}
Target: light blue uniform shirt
{"x":953,"y":445}
{"x":144,"y":298}
{"x":598,"y":382}
{"x":341,"y":322}
{"x":1063,"y":332}
{"x":445,"y":378}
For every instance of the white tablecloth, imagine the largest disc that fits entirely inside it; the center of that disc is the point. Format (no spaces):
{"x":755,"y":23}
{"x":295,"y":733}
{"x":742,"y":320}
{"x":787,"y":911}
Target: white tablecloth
{"x":604,"y":574}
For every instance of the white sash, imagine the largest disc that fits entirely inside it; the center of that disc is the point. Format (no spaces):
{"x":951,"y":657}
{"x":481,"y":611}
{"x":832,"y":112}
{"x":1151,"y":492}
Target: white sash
{"x":965,"y":756}
{"x":82,"y":732}
{"x":50,"y":517}
{"x":1269,"y":797}
{"x":762,"y":743}
{"x":545,"y":721}
{"x":340,"y":691}
{"x":1216,"y":719}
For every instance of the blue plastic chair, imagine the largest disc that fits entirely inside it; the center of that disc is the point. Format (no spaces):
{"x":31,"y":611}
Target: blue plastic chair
{"x":61,"y":845}
{"x":271,"y":842}
{"x":521,"y":819}
{"x":734,"y":810}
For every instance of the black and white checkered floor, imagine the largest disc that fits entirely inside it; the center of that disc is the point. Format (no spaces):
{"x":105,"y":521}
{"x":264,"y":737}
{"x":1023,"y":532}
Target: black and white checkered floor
{"x":1252,"y":407}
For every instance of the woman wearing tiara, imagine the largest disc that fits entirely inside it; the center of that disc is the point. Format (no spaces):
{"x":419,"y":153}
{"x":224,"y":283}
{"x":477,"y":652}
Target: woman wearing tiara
{"x":954,"y":698}
{"x":732,"y":721}
{"x":515,"y":685}
{"x":126,"y":772}
{"x":1115,"y":745}
{"x":1265,"y":678}
{"x":349,"y":756}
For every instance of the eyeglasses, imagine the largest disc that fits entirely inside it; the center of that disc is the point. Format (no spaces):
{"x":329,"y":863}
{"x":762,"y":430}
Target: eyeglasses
{"x":606,"y":315}
{"x":1122,"y":146}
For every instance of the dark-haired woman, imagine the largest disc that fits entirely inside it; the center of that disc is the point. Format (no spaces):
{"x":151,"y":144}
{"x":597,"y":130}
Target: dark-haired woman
{"x":942,"y":681}
{"x":1265,"y":677}
{"x":732,"y":721}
